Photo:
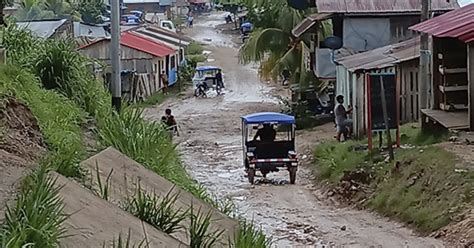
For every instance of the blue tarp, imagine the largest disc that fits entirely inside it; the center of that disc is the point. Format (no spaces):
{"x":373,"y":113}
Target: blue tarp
{"x":268,"y":117}
{"x":172,"y":78}
{"x":207,"y":68}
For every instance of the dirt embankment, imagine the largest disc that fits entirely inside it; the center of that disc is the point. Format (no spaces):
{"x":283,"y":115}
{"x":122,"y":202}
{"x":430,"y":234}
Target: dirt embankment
{"x":21,"y":145}
{"x":125,"y":176}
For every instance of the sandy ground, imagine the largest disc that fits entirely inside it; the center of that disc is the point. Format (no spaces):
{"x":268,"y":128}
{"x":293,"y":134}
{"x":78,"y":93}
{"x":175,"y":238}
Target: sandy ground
{"x":292,"y":215}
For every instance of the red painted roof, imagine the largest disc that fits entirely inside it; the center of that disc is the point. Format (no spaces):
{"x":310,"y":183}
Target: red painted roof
{"x":145,"y":45}
{"x":454,"y":24}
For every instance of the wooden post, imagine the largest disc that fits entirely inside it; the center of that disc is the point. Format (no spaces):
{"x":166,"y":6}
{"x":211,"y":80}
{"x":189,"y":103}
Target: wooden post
{"x":470,"y":75}
{"x":385,"y":117}
{"x":369,"y":113}
{"x":424,"y":58}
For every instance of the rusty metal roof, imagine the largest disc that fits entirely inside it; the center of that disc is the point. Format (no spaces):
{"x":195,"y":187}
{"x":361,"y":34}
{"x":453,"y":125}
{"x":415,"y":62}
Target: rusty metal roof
{"x":383,"y":57}
{"x":308,"y":22}
{"x":380,"y":6}
{"x":454,"y":24}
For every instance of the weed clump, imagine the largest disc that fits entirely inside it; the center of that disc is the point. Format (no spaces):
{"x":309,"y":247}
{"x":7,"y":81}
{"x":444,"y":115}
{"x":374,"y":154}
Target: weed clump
{"x":158,"y":212}
{"x":36,"y":218}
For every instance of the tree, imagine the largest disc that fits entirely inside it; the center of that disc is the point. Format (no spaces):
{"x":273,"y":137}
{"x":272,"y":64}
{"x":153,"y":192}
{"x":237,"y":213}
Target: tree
{"x":272,"y":43}
{"x":91,"y":10}
{"x":45,"y":9}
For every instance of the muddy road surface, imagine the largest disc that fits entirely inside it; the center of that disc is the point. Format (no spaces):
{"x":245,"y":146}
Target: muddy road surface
{"x":210,"y":143}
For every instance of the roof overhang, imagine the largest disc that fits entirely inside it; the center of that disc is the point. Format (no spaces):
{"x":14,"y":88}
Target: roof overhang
{"x":308,"y":23}
{"x":455,"y":24}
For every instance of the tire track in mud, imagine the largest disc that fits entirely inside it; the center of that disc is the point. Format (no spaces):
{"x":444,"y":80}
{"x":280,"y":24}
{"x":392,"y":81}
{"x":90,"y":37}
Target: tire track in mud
{"x":292,"y":215}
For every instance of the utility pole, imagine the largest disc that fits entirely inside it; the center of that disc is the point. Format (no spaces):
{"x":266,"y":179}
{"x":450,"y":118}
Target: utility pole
{"x":115,"y":56}
{"x":424,"y":80}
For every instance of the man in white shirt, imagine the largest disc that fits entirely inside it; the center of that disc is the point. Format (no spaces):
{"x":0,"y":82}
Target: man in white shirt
{"x":343,"y":124}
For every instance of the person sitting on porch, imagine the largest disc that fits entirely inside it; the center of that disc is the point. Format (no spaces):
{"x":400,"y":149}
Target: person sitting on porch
{"x":343,"y":124}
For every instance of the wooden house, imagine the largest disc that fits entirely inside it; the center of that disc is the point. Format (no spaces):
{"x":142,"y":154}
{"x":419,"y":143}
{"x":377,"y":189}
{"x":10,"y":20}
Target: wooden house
{"x":402,"y":59}
{"x":452,"y":67}
{"x":362,"y":25}
{"x":175,"y":41}
{"x":145,"y":57}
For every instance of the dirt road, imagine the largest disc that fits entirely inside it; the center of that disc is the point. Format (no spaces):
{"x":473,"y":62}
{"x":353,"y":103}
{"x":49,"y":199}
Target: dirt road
{"x":211,"y":147}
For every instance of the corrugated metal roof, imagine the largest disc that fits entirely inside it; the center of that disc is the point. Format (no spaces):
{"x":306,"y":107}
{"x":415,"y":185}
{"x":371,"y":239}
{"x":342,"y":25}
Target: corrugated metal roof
{"x":308,"y":22}
{"x":86,"y":30}
{"x":145,"y":45}
{"x":43,"y":29}
{"x":139,"y":43}
{"x":169,"y":41}
{"x":380,"y":6}
{"x":383,"y":57}
{"x":454,"y":24}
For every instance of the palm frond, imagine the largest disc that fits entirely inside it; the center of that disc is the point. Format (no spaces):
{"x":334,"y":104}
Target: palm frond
{"x":261,"y":42}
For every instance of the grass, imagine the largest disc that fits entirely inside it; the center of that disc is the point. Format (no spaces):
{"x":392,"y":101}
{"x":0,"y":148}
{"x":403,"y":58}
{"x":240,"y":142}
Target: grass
{"x":200,"y":234}
{"x":74,"y":95}
{"x":147,"y":143}
{"x":426,"y":190}
{"x":249,"y":236}
{"x":412,"y":134}
{"x":36,"y":218}
{"x":194,"y":48}
{"x":198,"y":58}
{"x":158,"y":212}
{"x":59,"y":118}
{"x":334,"y":158}
{"x":157,"y":98}
{"x":104,"y":188}
{"x":121,"y":242}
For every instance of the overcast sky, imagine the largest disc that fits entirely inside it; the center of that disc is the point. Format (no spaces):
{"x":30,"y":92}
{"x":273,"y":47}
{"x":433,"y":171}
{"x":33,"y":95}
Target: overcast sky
{"x":465,"y":2}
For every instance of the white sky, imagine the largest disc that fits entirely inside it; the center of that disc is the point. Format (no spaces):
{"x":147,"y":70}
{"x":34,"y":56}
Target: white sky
{"x":465,"y":2}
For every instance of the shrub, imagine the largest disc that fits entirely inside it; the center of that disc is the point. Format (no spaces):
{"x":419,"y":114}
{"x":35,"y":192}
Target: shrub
{"x":194,"y":49}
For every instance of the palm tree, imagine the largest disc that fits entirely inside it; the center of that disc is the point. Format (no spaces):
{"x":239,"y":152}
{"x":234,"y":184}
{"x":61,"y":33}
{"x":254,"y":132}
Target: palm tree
{"x":45,"y":9}
{"x":273,"y":46}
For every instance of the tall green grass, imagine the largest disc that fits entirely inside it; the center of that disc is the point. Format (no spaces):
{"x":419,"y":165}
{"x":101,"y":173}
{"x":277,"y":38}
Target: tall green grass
{"x":200,"y":234}
{"x":148,"y":143}
{"x":58,"y":117}
{"x":249,"y":236}
{"x":160,"y":212}
{"x":36,"y":218}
